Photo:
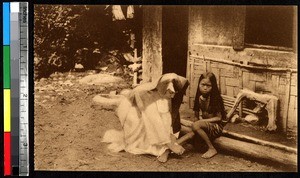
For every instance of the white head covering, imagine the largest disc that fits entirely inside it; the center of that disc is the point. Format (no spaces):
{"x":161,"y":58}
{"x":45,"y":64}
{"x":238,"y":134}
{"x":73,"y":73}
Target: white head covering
{"x":171,"y":87}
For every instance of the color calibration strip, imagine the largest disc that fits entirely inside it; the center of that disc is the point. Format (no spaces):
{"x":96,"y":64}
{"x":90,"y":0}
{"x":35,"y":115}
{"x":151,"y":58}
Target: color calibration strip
{"x":15,"y":88}
{"x":6,"y":88}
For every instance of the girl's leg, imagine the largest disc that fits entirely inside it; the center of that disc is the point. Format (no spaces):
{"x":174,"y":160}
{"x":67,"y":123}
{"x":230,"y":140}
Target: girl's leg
{"x":186,"y":137}
{"x":199,"y":127}
{"x":188,"y":134}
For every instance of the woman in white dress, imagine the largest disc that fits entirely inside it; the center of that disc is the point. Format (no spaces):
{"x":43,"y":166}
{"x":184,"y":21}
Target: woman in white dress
{"x":146,"y":118}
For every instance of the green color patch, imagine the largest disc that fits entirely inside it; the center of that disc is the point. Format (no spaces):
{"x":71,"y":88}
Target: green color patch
{"x":6,"y":67}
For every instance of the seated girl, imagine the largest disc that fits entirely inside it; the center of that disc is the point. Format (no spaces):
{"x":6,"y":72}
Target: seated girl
{"x":209,"y":112}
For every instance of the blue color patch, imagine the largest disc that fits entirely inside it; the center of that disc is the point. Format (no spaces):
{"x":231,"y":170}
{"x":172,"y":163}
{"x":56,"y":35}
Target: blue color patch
{"x":6,"y":23}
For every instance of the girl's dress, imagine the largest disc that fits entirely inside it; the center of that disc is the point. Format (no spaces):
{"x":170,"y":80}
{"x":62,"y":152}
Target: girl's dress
{"x":214,"y":129}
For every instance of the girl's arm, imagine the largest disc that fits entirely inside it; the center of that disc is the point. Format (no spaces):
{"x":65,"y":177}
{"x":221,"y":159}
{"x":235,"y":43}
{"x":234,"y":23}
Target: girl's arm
{"x":217,"y":118}
{"x":213,"y":119}
{"x":186,"y":123}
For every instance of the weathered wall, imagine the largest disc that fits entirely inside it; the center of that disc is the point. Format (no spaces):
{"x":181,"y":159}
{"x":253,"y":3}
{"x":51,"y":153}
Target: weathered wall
{"x":215,"y":28}
{"x":211,"y":25}
{"x":152,"y":43}
{"x":212,"y":34}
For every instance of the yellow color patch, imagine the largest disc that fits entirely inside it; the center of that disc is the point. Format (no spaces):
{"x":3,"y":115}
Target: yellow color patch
{"x":7,"y":110}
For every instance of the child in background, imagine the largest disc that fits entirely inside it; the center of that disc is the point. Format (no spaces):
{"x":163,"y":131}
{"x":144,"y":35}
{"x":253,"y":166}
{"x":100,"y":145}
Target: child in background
{"x":209,"y":111}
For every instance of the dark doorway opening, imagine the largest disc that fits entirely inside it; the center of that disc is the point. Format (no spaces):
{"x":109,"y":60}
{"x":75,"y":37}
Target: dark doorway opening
{"x":174,"y":39}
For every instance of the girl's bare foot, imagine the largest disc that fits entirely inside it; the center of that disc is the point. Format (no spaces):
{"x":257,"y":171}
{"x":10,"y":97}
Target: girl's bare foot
{"x":177,"y":149}
{"x":164,"y":157}
{"x":210,"y":153}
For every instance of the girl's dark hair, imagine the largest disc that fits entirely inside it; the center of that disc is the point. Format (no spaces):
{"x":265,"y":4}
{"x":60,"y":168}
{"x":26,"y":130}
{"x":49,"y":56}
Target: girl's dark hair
{"x":216,"y":101}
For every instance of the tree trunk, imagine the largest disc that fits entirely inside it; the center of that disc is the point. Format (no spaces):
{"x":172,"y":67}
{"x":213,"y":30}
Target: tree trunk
{"x":252,"y":150}
{"x":258,"y":141}
{"x":152,"y":43}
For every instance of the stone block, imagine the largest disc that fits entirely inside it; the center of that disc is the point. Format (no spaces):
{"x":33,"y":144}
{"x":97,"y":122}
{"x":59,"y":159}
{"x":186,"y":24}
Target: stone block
{"x":282,"y":100}
{"x":273,"y":82}
{"x":259,"y":77}
{"x":294,"y":80}
{"x":261,"y":87}
{"x":199,"y":69}
{"x":292,"y":119}
{"x":292,"y":102}
{"x":236,"y":72}
{"x":281,"y":89}
{"x":236,"y":90}
{"x":229,"y":91}
{"x":234,"y":82}
{"x":246,"y":76}
{"x":214,"y":65}
{"x":250,"y":85}
{"x":282,"y":80}
{"x":222,"y":85}
{"x":293,"y":90}
{"x":227,"y":72}
{"x":199,"y":61}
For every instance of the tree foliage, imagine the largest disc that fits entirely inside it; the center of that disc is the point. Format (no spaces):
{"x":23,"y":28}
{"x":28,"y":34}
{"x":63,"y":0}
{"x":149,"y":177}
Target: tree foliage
{"x":69,"y":34}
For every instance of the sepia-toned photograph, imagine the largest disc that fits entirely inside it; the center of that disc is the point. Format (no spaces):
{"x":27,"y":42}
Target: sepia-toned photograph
{"x":165,"y":88}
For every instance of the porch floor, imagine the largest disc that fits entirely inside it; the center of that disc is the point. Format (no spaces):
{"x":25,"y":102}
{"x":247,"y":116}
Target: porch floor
{"x":247,"y":129}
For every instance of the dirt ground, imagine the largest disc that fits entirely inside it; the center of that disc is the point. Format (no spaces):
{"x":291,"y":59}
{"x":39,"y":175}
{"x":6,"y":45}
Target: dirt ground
{"x":69,"y":127}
